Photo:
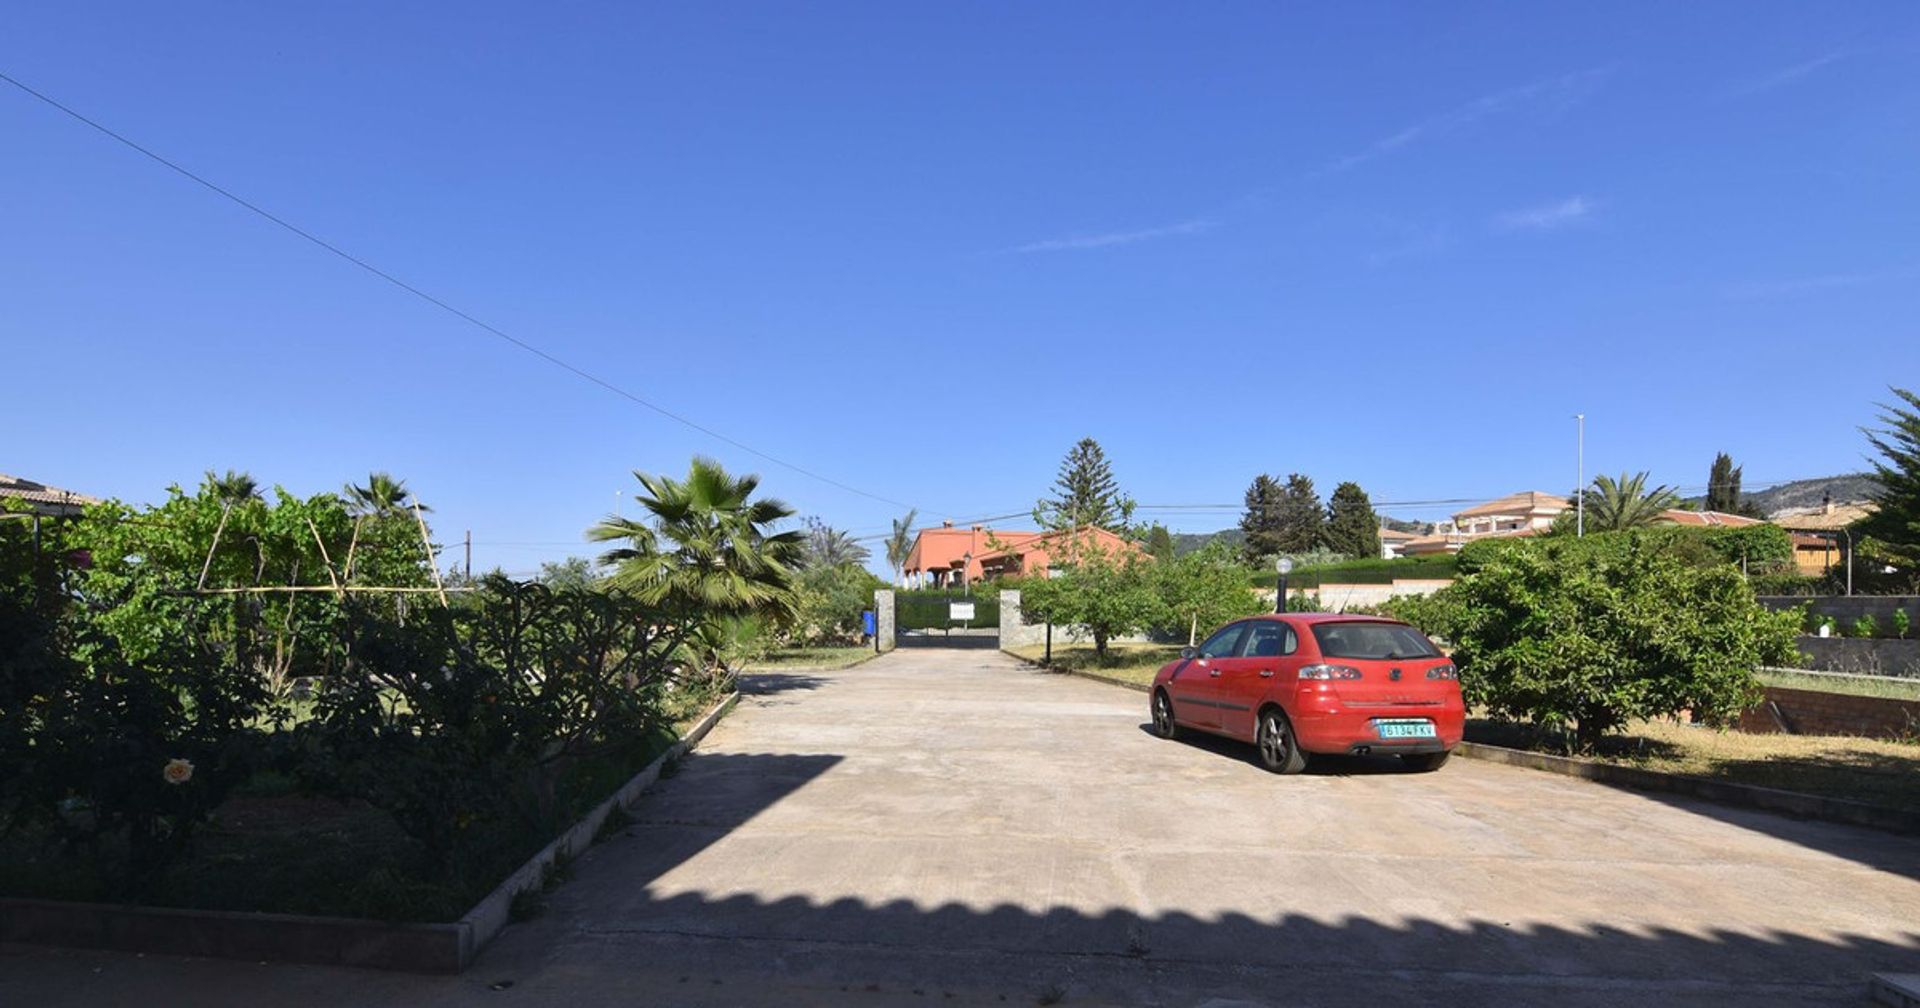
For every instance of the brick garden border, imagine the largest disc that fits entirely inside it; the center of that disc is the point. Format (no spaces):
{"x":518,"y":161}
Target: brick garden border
{"x":1792,"y":803}
{"x":329,"y":941}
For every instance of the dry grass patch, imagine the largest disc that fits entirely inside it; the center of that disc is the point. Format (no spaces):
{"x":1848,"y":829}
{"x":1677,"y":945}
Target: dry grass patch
{"x":1135,"y":663}
{"x":1856,"y":769}
{"x":810,"y":658}
{"x":1885,"y":688}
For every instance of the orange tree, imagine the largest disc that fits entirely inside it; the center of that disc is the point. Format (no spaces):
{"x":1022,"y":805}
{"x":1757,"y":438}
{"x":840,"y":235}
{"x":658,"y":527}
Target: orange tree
{"x":1587,"y":634}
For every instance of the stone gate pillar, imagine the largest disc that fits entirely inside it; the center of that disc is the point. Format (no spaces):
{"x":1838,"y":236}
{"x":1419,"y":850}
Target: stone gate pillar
{"x":883,"y":618}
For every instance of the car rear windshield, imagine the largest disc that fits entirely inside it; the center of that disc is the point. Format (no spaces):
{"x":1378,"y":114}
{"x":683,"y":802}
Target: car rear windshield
{"x":1387,"y":641}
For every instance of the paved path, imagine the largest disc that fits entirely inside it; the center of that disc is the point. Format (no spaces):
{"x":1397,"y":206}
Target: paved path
{"x":947,"y":827}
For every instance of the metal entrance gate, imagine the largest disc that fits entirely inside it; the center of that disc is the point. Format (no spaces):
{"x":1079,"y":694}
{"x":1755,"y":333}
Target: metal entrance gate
{"x":949,"y":619}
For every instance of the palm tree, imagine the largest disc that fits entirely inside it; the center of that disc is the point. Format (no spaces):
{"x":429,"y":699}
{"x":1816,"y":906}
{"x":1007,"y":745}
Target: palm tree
{"x":383,"y":495}
{"x":1624,"y":503}
{"x":831,"y":547}
{"x":900,"y":543}
{"x":706,"y":545}
{"x":234,"y":487}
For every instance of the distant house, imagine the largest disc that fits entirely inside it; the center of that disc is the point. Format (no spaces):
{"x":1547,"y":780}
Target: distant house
{"x":1529,"y":512}
{"x":1705,"y":519}
{"x":42,"y":499}
{"x":950,"y":556}
{"x":1033,"y":555}
{"x":1393,"y":541}
{"x":1820,"y":541}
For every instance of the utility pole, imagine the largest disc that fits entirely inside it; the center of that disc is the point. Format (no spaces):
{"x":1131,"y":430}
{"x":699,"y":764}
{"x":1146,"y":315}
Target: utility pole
{"x":1580,"y":476}
{"x":469,"y":554}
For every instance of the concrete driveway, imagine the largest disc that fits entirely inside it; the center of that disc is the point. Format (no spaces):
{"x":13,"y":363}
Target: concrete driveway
{"x":949,"y":827}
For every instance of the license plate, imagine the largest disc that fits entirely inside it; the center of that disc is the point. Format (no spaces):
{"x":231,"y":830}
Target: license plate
{"x":1404,"y":729}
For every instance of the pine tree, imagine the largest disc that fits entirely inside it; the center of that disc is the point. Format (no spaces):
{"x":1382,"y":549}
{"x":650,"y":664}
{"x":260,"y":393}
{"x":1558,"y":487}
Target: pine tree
{"x":1352,"y":527}
{"x":1087,"y":493}
{"x":1302,"y":524}
{"x":1895,"y":521}
{"x":1261,"y":522}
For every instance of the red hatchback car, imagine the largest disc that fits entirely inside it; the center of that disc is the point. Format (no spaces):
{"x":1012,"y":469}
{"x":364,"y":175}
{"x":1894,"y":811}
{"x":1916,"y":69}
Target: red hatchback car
{"x":1294,"y":684}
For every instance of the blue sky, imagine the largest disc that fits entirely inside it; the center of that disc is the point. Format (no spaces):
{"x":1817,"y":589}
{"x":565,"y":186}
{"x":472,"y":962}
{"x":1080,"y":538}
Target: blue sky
{"x":921,"y":250}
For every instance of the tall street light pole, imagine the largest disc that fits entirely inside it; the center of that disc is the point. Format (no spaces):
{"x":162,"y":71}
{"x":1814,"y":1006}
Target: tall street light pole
{"x":1580,"y":475}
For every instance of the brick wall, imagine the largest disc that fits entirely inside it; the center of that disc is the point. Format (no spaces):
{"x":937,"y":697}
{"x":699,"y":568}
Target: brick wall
{"x":1812,"y":712}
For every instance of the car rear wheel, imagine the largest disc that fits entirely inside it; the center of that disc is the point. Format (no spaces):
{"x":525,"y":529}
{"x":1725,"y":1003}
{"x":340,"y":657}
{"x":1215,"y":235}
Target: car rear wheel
{"x":1425,"y":762}
{"x":1163,"y":723}
{"x":1279,"y":750}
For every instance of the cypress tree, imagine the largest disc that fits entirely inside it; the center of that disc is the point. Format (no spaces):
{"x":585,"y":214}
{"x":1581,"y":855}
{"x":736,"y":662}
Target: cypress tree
{"x":1352,"y":527}
{"x":1723,"y":485}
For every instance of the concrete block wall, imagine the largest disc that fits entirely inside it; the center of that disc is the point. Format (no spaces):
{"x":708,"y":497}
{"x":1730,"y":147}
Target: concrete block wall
{"x":1813,"y":712}
{"x":1844,"y":609}
{"x":1871,"y":656}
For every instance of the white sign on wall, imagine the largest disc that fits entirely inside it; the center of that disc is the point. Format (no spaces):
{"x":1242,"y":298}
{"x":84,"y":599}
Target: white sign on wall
{"x":960,"y":612}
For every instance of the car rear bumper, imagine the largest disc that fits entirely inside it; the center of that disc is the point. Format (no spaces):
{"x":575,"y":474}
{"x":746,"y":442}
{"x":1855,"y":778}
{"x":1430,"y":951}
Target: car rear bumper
{"x":1353,"y":730}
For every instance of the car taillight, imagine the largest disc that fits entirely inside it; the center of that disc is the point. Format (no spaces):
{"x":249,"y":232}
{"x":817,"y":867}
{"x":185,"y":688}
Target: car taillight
{"x":1443,"y":672}
{"x":1329,"y":672}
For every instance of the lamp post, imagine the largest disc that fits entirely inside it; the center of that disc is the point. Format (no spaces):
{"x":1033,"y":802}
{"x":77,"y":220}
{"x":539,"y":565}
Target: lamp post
{"x":1283,"y":565}
{"x":1580,"y":475}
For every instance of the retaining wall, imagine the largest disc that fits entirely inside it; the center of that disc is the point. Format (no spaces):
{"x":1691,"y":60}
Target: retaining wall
{"x":1815,"y":712}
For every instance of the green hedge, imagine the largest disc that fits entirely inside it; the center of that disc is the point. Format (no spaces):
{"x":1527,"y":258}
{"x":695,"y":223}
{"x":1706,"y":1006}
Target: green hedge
{"x":928,"y":610}
{"x":1363,"y":572}
{"x":1765,"y":549}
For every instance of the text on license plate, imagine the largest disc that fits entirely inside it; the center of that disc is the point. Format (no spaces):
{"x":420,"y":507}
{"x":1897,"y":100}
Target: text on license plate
{"x":1405,"y":729}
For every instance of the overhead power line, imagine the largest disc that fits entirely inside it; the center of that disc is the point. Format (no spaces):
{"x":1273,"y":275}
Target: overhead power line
{"x":437,"y":302}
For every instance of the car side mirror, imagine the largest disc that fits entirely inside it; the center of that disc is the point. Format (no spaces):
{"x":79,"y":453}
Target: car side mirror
{"x":1189,"y":653}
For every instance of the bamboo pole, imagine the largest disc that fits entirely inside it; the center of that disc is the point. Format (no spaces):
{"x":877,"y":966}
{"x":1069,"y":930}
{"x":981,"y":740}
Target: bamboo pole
{"x":317,"y":541}
{"x":427,"y":545}
{"x":353,"y":544}
{"x":225,"y":510}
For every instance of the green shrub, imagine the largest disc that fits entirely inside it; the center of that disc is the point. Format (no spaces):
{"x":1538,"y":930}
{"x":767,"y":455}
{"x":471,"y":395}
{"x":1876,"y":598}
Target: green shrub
{"x":1201,"y":590}
{"x":1865,"y":626}
{"x":1588,"y":634}
{"x":1369,"y":571}
{"x":1756,"y":549}
{"x":467,"y":724}
{"x":828,"y":601}
{"x":130,"y":708}
{"x":1902,"y":622}
{"x":1787,"y":584}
